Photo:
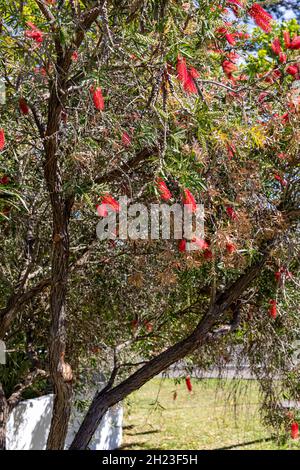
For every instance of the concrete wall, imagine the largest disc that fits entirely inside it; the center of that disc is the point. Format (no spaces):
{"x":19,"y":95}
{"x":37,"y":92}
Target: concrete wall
{"x":29,"y":424}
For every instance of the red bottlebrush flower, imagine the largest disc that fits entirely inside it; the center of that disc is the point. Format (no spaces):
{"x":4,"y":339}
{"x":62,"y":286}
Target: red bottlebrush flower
{"x":189,"y":85}
{"x":230,"y":39}
{"x":276,"y":46}
{"x":75,"y":56}
{"x":228,"y":68}
{"x":278,"y":276}
{"x":203,"y":245}
{"x":287,"y":39}
{"x":282,"y":156}
{"x":182,"y":245}
{"x":285,"y":118}
{"x":163,"y":189}
{"x":134,"y":325}
{"x":294,"y":430}
{"x":148,"y":325}
{"x":273,"y":308}
{"x":292,"y":70}
{"x":102,"y":210}
{"x":281,"y":180}
{"x":261,"y":17}
{"x":208,"y":255}
{"x":182,"y":71}
{"x":4,"y":180}
{"x":175,"y":395}
{"x":189,"y":200}
{"x":231,"y":213}
{"x":282,"y":57}
{"x":295,"y":43}
{"x":194,"y":73}
{"x":231,"y":150}
{"x":230,"y":248}
{"x":188,"y":383}
{"x":23,"y":106}
{"x":126,"y":140}
{"x":238,"y":3}
{"x":2,"y":139}
{"x":97,"y":98}
{"x":111,"y":202}
{"x":34,"y":33}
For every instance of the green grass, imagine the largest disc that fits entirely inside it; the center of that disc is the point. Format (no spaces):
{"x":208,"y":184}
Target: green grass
{"x":218,"y":413}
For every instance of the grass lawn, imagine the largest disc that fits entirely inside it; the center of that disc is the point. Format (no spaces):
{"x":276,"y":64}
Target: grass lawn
{"x":218,"y":414}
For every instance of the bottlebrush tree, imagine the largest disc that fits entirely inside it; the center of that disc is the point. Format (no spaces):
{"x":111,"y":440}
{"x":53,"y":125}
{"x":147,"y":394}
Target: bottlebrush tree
{"x":160,"y":101}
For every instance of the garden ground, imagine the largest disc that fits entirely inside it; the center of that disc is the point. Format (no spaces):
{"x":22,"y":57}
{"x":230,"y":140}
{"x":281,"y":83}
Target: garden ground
{"x":217,"y":414}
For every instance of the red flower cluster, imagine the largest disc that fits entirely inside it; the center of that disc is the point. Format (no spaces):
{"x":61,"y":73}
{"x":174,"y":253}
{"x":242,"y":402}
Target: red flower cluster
{"x":273,"y":308}
{"x":188,"y":383}
{"x":163,"y":189}
{"x":126,"y":140}
{"x":294,"y":43}
{"x":4,"y":180}
{"x":107,"y":201}
{"x":185,"y":76}
{"x":281,"y":180}
{"x":261,"y":17}
{"x":34,"y":33}
{"x":276,"y":48}
{"x":188,"y":199}
{"x":182,"y":246}
{"x":231,"y":213}
{"x":2,"y":139}
{"x":97,"y":98}
{"x":230,"y":248}
{"x":23,"y":106}
{"x":294,"y":430}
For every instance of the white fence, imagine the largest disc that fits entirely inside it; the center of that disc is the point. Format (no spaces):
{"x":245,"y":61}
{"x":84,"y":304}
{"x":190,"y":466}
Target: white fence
{"x":29,"y":424}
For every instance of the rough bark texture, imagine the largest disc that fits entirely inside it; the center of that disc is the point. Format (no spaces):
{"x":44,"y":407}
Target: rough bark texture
{"x":3,"y":418}
{"x":105,"y":399}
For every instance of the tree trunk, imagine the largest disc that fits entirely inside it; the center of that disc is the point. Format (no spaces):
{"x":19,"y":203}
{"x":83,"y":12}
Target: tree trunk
{"x":105,"y":399}
{"x":3,"y":418}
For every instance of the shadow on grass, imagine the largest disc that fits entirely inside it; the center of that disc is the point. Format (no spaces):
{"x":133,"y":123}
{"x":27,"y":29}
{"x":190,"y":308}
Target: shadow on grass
{"x":244,"y":444}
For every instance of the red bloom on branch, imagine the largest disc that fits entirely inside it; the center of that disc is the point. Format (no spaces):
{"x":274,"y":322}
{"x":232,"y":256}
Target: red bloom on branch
{"x":189,"y":86}
{"x":231,"y":213}
{"x":102,"y":210}
{"x":295,"y":43}
{"x":182,"y":71}
{"x":182,"y":246}
{"x":261,"y":17}
{"x":228,"y":68}
{"x":97,"y":98}
{"x":34,"y":33}
{"x":276,"y":46}
{"x":294,"y":430}
{"x":188,"y":199}
{"x":202,"y":244}
{"x":188,"y":383}
{"x":282,"y":57}
{"x":273,"y":308}
{"x":111,"y":202}
{"x":75,"y":56}
{"x":194,"y":73}
{"x":230,"y":248}
{"x":292,"y":70}
{"x":281,"y":180}
{"x":23,"y":106}
{"x":231,"y":150}
{"x":4,"y":180}
{"x":287,"y":39}
{"x":2,"y":139}
{"x":163,"y":189}
{"x":208,"y":254}
{"x":239,"y":3}
{"x":126,"y":140}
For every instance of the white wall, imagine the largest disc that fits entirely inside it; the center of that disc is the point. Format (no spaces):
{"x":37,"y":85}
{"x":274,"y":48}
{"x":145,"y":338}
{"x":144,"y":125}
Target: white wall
{"x":29,"y":424}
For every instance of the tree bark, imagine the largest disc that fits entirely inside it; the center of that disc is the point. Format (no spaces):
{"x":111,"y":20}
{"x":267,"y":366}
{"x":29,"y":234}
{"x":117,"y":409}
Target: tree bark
{"x":105,"y":399}
{"x":3,"y":418}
